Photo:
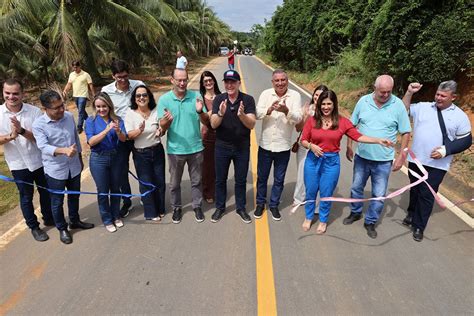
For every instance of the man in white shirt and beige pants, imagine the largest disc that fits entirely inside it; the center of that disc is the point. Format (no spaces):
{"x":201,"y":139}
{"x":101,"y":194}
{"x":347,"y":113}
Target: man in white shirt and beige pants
{"x":23,"y":156}
{"x":279,"y":108}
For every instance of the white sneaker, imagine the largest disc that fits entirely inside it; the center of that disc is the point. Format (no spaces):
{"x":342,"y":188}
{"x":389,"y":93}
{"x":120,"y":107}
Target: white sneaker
{"x":155,"y":219}
{"x":118,"y":223}
{"x":111,"y":228}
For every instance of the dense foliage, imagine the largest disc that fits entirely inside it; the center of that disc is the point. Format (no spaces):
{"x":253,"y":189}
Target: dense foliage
{"x":39,"y":38}
{"x":410,"y":39}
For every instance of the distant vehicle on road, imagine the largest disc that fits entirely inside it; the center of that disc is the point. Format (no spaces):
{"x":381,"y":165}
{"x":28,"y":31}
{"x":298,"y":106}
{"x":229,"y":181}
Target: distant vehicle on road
{"x":223,"y":51}
{"x":248,"y":51}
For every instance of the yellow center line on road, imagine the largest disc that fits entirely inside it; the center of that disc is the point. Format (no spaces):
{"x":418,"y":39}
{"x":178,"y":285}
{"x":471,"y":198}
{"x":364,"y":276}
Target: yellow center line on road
{"x":266,"y":298}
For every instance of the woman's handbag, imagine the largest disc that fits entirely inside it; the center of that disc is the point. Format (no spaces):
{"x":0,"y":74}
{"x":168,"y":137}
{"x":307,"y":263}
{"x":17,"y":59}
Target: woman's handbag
{"x":296,"y":145}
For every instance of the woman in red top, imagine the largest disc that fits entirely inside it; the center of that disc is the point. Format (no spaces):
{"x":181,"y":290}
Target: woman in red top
{"x":322,"y":135}
{"x":209,"y":89}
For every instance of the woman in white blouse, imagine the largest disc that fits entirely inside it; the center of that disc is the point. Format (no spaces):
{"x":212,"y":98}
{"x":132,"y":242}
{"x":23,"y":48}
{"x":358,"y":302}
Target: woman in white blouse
{"x":148,"y":154}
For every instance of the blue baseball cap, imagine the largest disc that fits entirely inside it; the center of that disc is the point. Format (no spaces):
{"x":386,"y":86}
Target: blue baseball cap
{"x":231,"y":75}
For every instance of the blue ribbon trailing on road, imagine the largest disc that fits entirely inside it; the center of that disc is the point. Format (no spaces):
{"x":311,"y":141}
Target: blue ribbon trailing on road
{"x":153,"y":188}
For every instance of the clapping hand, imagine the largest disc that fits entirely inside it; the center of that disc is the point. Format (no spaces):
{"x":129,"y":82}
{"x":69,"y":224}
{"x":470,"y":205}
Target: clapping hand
{"x":222,"y":108}
{"x":15,"y":125}
{"x":241,"y":110}
{"x":199,"y":105}
{"x":168,"y":117}
{"x":71,"y":150}
{"x":141,"y":127}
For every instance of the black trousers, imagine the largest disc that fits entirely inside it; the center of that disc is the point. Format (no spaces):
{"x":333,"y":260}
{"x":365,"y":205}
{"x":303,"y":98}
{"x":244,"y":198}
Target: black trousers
{"x":421,"y":199}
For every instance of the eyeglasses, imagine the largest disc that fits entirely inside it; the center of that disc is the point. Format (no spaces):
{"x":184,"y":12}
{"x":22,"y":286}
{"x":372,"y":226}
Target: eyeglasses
{"x":180,"y":80}
{"x":57,"y":107}
{"x":208,"y":80}
{"x":140,"y":95}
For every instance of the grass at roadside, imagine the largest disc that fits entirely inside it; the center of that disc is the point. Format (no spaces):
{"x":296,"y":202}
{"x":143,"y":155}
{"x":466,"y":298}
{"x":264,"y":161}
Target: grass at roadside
{"x":8,"y":191}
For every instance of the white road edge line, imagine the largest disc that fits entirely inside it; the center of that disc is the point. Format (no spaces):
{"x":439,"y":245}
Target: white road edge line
{"x":449,"y":205}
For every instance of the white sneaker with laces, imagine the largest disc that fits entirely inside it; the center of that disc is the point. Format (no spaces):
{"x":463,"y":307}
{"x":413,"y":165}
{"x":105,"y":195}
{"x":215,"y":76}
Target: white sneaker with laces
{"x":111,"y":228}
{"x":118,"y":223}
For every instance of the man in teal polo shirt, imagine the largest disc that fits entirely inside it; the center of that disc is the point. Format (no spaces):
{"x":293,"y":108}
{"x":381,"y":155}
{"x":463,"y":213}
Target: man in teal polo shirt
{"x":379,"y":114}
{"x":180,"y":112}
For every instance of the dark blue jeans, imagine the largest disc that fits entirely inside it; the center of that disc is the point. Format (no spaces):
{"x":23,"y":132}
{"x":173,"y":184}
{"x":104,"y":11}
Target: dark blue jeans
{"x":240,"y":157}
{"x":57,"y":200}
{"x":26,"y":196}
{"x":150,"y":166}
{"x":81,"y":109}
{"x":124,"y":149}
{"x":280,"y":163}
{"x":421,"y":199}
{"x":105,"y":170}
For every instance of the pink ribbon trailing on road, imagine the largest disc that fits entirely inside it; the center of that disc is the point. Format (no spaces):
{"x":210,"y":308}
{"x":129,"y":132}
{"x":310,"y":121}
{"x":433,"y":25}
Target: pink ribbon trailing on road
{"x":421,"y":178}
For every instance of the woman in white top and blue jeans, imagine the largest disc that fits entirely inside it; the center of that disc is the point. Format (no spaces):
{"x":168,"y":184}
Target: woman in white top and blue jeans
{"x":142,"y":126}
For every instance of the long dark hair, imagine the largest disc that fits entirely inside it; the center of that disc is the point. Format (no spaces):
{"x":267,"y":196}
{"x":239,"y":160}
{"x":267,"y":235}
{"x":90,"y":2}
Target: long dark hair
{"x":318,"y":114}
{"x":320,"y":87}
{"x":151,"y":98}
{"x":202,"y":89}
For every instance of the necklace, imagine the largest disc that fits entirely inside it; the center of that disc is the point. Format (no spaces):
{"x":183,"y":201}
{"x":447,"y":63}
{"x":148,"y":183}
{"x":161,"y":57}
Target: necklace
{"x":144,"y":115}
{"x":327,"y":123}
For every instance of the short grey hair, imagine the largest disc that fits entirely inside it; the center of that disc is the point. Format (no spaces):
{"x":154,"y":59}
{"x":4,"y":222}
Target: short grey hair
{"x":449,"y":85}
{"x":279,"y":71}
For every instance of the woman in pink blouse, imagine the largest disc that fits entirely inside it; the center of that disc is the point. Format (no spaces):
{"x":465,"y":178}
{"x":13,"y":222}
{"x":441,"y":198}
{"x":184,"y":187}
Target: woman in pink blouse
{"x":322,"y":135}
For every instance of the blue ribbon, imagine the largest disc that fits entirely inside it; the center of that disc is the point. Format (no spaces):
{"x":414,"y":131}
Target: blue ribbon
{"x":153,"y":188}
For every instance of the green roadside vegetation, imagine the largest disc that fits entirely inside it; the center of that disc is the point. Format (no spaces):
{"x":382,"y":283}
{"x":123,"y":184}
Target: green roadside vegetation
{"x":8,"y":191}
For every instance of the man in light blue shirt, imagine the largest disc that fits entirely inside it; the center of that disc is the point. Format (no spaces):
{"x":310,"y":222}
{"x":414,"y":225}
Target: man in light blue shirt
{"x":379,"y":114}
{"x":56,"y":136}
{"x":180,"y":112}
{"x":120,"y":92}
{"x":431,"y":149}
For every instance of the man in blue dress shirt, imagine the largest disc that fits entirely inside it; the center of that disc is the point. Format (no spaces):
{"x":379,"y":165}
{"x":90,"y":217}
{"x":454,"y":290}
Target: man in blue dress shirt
{"x":56,"y":136}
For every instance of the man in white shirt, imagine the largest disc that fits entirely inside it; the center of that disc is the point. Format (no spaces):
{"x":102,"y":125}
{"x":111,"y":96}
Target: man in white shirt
{"x":120,"y":92}
{"x":181,"y":61}
{"x":81,"y":83}
{"x":23,"y":156}
{"x":279,"y":108}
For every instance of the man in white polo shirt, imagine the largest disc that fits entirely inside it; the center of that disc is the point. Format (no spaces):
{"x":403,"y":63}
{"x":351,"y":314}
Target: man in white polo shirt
{"x":181,"y":61}
{"x":23,"y":156}
{"x":433,"y":147}
{"x":279,"y":108}
{"x":81,"y":83}
{"x":120,"y":92}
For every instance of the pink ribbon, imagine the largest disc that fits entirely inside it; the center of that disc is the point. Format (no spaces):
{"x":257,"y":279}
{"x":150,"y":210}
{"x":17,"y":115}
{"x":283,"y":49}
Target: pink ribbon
{"x":421,"y":178}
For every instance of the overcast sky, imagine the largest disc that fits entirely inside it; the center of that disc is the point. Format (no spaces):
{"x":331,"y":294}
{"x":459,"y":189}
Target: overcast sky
{"x":242,"y":14}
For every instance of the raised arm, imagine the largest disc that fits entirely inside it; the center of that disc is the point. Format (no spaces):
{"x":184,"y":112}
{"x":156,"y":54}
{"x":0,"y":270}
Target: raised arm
{"x":413,"y":88}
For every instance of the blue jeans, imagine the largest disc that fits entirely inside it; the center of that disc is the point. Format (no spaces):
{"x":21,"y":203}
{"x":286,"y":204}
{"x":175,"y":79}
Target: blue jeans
{"x":26,"y":196}
{"x":280,"y":163}
{"x":231,"y":66}
{"x":379,"y":172}
{"x":105,"y":170}
{"x":57,"y":200}
{"x":124,"y":149}
{"x":320,"y":174}
{"x":81,"y":103}
{"x":150,"y":165}
{"x":240,"y":157}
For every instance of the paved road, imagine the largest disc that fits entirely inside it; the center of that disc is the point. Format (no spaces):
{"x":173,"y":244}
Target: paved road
{"x":211,"y":269}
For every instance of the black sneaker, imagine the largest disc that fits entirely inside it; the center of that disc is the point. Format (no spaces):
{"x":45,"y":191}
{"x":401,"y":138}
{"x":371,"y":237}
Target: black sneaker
{"x":275,"y":213}
{"x":407,"y":220}
{"x":353,"y":217}
{"x":417,"y":234}
{"x":39,"y":234}
{"x":259,"y":210}
{"x":125,"y":210}
{"x":371,"y":232}
{"x":217,"y":215}
{"x":244,"y":216}
{"x":177,"y":215}
{"x":199,"y":215}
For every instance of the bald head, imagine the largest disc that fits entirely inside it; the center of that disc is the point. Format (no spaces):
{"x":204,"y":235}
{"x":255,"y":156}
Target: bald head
{"x":383,"y":87}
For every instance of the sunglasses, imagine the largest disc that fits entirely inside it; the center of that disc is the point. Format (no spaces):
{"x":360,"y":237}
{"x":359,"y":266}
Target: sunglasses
{"x":139,"y":95}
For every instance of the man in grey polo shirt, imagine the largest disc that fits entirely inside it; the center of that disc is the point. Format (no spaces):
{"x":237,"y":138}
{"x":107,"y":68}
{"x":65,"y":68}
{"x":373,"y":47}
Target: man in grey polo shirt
{"x":120,"y":92}
{"x":432,"y":151}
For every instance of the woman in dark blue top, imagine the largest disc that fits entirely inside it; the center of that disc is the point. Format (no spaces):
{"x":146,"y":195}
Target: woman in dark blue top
{"x":104,"y":130}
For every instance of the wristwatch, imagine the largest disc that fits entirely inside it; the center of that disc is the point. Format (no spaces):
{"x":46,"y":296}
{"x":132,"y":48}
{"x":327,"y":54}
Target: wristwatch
{"x":22,"y":131}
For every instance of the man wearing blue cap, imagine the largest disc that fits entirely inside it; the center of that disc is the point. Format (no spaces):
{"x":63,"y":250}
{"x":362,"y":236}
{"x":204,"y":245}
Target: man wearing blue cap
{"x":233,"y":116}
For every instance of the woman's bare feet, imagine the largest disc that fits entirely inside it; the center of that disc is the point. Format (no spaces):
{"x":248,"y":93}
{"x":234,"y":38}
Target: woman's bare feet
{"x":306,"y":225}
{"x":321,"y":228}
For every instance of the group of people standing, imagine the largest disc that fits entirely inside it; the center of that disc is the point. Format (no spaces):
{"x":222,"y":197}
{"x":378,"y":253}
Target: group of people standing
{"x":207,"y":130}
